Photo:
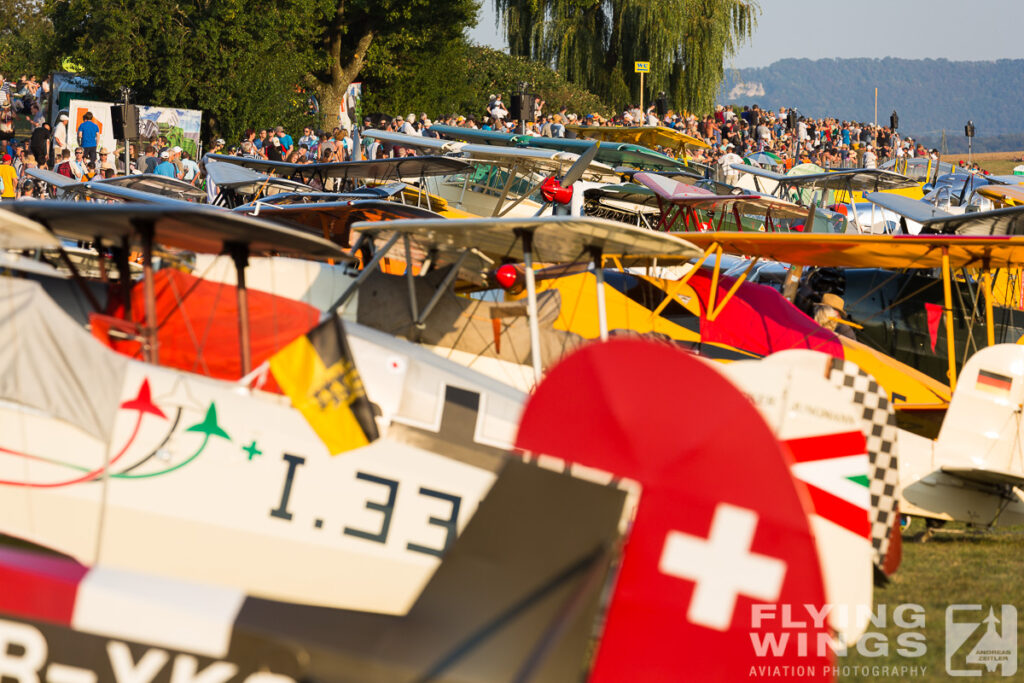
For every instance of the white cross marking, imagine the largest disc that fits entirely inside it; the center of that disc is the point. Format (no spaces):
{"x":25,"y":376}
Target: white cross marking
{"x":722,"y":566}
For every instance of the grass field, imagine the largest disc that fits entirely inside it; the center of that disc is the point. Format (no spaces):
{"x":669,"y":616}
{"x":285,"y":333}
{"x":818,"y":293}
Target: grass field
{"x":997,"y":163}
{"x":955,"y":566}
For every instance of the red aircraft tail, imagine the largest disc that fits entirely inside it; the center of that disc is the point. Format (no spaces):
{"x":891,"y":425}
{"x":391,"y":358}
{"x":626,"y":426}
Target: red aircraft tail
{"x":719,"y":579}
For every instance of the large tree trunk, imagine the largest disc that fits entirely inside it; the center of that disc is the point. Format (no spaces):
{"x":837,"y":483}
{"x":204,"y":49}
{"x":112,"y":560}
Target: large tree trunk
{"x":332,"y":92}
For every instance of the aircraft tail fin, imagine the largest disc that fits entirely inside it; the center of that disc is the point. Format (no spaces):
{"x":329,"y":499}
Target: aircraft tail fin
{"x":720,"y":545}
{"x":981,"y":431}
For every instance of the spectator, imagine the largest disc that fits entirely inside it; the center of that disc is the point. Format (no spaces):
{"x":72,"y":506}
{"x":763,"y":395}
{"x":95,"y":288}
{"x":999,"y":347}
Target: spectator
{"x":60,"y":138}
{"x":165,"y":167}
{"x":88,"y":134}
{"x":9,"y":178}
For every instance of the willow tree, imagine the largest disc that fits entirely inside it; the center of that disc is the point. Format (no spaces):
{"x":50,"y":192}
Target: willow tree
{"x":595,"y":42}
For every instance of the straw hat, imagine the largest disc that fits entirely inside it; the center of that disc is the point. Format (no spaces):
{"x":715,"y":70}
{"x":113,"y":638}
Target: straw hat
{"x":839,"y":305}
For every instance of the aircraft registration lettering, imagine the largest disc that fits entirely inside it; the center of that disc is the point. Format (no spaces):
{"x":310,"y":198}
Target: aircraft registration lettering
{"x":30,"y":649}
{"x":384,"y":503}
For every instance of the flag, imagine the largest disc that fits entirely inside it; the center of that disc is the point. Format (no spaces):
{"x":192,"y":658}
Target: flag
{"x":993,"y":383}
{"x":934,"y":312}
{"x":317,"y":373}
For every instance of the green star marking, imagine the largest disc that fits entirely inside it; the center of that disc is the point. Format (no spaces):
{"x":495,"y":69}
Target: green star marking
{"x":252,"y":450}
{"x":861,"y":479}
{"x":209,"y":426}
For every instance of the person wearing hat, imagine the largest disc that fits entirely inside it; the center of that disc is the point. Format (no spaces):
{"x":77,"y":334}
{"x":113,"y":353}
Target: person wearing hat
{"x":870,"y":158}
{"x":165,"y":167}
{"x":175,"y":159}
{"x":831,"y":314}
{"x":60,"y":138}
{"x":9,"y":178}
{"x":107,"y":160}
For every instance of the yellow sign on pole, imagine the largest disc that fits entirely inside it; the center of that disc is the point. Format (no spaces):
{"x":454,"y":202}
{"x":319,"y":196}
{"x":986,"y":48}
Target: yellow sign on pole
{"x":642,"y":68}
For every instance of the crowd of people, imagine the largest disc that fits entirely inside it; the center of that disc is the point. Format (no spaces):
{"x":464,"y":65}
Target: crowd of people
{"x":75,"y":152}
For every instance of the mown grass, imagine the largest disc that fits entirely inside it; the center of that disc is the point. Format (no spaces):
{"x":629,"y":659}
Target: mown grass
{"x":956,"y":565}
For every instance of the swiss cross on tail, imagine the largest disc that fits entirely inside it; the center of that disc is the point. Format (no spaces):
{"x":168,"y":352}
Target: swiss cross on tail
{"x":720,"y":529}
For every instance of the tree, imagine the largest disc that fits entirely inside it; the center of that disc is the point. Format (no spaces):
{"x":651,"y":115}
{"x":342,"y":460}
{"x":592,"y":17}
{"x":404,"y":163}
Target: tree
{"x":471,"y":73}
{"x":595,"y":42}
{"x":238,"y":60}
{"x":248,"y":62}
{"x":377,"y":34}
{"x":26,"y":37}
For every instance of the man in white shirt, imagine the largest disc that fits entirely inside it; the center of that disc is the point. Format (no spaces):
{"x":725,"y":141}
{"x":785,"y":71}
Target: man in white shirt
{"x":60,"y":137}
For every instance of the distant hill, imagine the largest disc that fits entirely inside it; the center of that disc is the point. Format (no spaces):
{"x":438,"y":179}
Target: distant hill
{"x":929,"y":94}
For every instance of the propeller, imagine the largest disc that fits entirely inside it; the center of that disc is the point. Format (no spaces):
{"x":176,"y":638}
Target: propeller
{"x":559,"y":190}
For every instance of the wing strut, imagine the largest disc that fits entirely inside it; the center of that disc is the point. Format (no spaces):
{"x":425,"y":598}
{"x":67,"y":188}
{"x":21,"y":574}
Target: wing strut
{"x":531,"y":301}
{"x":948,"y":302}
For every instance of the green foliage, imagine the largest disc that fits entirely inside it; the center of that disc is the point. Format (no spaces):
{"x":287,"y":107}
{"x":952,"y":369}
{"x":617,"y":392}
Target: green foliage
{"x":26,"y":39}
{"x":470,"y":74}
{"x":929,"y":94}
{"x":595,"y":42}
{"x":237,"y":60}
{"x":247,"y":62}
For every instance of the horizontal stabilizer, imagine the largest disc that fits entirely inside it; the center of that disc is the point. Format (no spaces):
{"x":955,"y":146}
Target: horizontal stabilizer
{"x":985,"y":476}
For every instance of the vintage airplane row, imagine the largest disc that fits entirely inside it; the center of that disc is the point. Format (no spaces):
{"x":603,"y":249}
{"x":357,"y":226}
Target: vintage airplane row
{"x":486,"y":531}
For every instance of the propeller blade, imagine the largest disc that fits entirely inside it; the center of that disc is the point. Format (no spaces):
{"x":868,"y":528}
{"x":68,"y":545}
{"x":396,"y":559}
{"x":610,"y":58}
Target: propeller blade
{"x":575,"y":171}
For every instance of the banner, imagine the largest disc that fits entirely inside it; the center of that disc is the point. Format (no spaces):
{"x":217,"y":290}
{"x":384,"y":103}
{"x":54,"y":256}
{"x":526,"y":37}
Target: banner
{"x":100,"y":116}
{"x":179,"y":126}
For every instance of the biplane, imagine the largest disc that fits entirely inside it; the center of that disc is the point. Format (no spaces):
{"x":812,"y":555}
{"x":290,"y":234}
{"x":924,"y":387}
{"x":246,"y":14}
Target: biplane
{"x":614,"y":154}
{"x":922,"y":169}
{"x":930,"y":323}
{"x":506,"y":181}
{"x":646,"y":136}
{"x":484,"y":333}
{"x":723,"y":211}
{"x":144,"y":182}
{"x":832,"y":188}
{"x":237,"y":181}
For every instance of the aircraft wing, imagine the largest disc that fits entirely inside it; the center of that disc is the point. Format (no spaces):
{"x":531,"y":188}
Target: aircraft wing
{"x":623,"y":192}
{"x":263,"y":166}
{"x":914,"y":209}
{"x":18,"y":232}
{"x":698,"y":198}
{"x":384,"y":170}
{"x":1000,"y":222}
{"x":52,"y":178}
{"x":648,"y":136}
{"x":613,"y":154}
{"x":1010,"y":195}
{"x":157,"y":184}
{"x":179,"y":225}
{"x":555,"y":239}
{"x":332,"y":219}
{"x":869,"y":251}
{"x":435,"y":145}
{"x":854,"y":179}
{"x":475,"y":135}
{"x":380,"y":170}
{"x":985,"y":476}
{"x":246,"y":180}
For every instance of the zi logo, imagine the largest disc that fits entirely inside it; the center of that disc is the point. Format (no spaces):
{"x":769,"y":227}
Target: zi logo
{"x":976,"y":643}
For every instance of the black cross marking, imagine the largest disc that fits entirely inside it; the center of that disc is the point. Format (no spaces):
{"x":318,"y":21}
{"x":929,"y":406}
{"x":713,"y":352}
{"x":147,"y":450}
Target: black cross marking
{"x":455,"y":436}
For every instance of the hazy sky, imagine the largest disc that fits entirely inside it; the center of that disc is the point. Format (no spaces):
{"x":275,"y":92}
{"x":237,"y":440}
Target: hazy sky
{"x":953,"y":29}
